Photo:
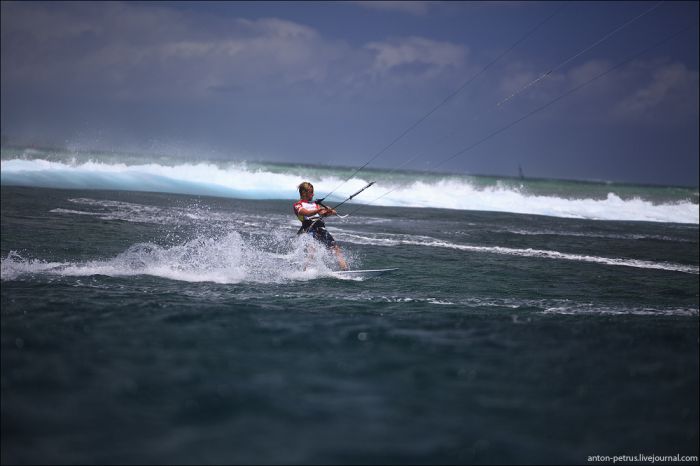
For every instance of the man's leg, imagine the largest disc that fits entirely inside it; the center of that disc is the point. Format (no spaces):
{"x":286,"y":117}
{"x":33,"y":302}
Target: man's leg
{"x":341,"y":260}
{"x":310,"y":254}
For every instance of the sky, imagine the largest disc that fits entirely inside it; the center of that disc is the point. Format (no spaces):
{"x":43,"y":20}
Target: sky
{"x":575,"y":90}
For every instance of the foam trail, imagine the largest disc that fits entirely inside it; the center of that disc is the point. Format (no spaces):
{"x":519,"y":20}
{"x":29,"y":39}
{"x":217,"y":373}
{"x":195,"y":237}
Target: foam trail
{"x":546,"y":306}
{"x":539,"y":253}
{"x":609,"y":310}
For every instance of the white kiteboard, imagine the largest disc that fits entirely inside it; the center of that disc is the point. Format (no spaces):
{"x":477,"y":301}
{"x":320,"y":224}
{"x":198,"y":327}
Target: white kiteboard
{"x":362,"y":273}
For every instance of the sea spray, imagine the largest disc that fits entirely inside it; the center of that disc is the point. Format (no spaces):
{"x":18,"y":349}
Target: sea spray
{"x":230,"y":258}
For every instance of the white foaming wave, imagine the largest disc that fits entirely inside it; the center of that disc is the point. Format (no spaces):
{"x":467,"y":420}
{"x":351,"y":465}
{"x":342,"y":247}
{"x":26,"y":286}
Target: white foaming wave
{"x":464,"y":196}
{"x":192,"y":178}
{"x":395,"y":240}
{"x":236,"y":180}
{"x":228,"y":259}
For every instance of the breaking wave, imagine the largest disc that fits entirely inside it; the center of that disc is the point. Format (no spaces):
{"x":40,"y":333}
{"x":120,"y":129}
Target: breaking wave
{"x":237,"y":180}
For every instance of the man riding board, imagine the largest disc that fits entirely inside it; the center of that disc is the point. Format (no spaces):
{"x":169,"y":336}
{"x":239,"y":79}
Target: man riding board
{"x":311,"y":214}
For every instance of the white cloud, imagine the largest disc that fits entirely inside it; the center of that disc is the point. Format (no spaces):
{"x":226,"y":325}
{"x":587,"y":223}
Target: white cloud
{"x":416,"y":8}
{"x":515,"y":78}
{"x":135,"y":50}
{"x":672,"y":89}
{"x":139,"y":51}
{"x":427,"y":55}
{"x":645,"y":91}
{"x":586,"y":71}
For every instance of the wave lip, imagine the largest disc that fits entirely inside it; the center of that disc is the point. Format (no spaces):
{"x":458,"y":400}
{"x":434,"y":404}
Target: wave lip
{"x":237,"y":180}
{"x":463,"y":195}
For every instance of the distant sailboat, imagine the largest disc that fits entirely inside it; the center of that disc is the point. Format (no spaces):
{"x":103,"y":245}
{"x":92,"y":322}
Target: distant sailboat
{"x":520,"y":172}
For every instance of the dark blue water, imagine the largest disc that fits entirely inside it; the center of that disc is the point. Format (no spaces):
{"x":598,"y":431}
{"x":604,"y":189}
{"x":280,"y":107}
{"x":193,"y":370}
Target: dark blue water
{"x":146,"y":327}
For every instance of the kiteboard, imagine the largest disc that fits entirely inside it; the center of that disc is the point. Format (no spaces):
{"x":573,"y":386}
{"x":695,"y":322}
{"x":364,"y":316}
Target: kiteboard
{"x":362,"y":273}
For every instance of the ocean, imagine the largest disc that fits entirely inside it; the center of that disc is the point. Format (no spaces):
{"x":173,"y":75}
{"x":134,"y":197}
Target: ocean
{"x":160,"y":309}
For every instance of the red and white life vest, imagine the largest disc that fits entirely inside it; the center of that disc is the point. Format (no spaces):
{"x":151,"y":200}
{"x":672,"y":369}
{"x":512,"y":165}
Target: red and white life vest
{"x":302,"y":204}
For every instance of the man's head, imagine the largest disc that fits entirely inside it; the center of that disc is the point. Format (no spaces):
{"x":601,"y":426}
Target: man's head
{"x":306,"y":190}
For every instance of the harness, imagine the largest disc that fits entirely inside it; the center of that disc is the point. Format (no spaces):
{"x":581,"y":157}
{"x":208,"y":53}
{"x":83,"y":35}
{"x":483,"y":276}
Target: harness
{"x":307,"y":224}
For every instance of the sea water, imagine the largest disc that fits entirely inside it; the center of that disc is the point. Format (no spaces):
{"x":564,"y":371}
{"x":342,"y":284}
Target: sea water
{"x":161,"y":310}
